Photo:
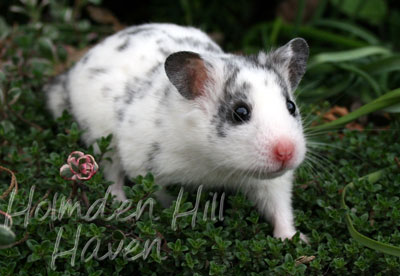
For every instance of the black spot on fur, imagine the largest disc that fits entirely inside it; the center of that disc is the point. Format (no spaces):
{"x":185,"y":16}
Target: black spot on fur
{"x":195,"y":43}
{"x":167,"y":92}
{"x":157,"y":122}
{"x":154,"y":69}
{"x":270,"y":65}
{"x":147,"y":31}
{"x":137,"y":88}
{"x":119,"y":109}
{"x":133,"y":31}
{"x":124,"y":45}
{"x":93,"y":72}
{"x":152,"y":155}
{"x":253,"y":59}
{"x":120,"y":114}
{"x":212,"y":48}
{"x":164,"y":52}
{"x":130,"y":91}
{"x":85,"y":59}
{"x":189,"y":41}
{"x":219,"y":120}
{"x":233,"y":93}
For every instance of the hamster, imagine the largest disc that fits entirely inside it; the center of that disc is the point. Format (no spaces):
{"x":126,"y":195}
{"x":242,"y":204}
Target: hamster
{"x":181,"y":108}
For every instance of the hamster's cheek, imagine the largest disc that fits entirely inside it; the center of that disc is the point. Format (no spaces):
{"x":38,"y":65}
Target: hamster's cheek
{"x":301,"y":149}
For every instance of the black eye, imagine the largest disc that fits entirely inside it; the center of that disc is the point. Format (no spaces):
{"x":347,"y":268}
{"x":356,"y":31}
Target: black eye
{"x":241,"y":113}
{"x":291,"y":107}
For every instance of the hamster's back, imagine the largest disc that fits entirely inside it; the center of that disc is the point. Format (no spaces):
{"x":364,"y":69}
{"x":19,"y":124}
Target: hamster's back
{"x":124,"y":66}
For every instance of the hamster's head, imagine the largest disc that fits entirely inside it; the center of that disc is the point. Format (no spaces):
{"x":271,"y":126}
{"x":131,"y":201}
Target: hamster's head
{"x":249,"y":123}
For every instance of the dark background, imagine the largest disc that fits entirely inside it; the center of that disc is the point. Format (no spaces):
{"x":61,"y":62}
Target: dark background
{"x":231,"y":19}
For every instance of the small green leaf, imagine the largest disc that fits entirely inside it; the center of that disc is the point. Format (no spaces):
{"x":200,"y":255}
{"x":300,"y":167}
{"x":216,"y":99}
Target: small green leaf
{"x":288,"y":258}
{"x":46,"y":47}
{"x":33,"y":257}
{"x":189,"y":260}
{"x":7,"y":236}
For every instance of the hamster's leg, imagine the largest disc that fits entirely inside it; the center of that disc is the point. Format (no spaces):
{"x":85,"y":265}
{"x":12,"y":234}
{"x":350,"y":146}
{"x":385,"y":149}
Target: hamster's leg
{"x":113,"y":172}
{"x":273,"y":199}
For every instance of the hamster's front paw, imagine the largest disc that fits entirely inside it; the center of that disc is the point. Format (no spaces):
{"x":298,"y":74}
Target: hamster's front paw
{"x":116,"y":190}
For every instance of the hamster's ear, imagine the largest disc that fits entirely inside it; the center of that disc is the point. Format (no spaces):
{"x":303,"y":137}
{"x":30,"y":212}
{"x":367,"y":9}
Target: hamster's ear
{"x":188,"y":73}
{"x":291,"y":60}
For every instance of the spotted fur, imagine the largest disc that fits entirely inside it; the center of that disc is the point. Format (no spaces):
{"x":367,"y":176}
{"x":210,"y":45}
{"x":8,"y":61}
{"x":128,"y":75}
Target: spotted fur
{"x":168,"y":96}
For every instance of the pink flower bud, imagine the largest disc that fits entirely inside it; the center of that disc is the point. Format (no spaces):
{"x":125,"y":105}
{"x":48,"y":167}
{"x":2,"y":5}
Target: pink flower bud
{"x":80,"y":166}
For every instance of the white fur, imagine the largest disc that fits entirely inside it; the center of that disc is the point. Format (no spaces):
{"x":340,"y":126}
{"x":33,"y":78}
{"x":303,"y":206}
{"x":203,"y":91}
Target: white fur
{"x":242,"y":160}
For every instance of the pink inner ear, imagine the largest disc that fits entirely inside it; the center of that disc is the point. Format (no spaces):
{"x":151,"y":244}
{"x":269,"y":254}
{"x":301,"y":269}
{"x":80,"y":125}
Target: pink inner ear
{"x":198,"y":76}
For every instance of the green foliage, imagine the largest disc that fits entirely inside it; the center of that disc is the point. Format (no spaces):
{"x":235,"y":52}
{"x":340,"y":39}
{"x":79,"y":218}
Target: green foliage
{"x":352,"y":61}
{"x":379,"y":246}
{"x":7,"y":237}
{"x":372,"y":11}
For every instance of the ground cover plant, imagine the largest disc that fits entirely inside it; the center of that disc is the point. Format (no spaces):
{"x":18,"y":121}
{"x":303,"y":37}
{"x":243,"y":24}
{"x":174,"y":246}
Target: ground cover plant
{"x":350,"y":100}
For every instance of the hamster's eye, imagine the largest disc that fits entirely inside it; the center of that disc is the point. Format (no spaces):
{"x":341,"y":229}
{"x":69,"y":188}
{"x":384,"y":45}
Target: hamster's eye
{"x":291,"y":107}
{"x":241,"y":113}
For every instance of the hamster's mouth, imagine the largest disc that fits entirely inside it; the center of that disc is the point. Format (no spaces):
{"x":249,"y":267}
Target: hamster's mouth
{"x":263,"y":174}
{"x":271,"y":175}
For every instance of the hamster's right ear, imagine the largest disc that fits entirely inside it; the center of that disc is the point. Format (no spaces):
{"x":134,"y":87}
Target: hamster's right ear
{"x":187,"y":71}
{"x":291,"y":60}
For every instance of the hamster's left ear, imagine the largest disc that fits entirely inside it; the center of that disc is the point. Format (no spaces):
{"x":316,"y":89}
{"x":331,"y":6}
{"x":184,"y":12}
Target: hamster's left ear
{"x":187,"y":71}
{"x":290,"y":60}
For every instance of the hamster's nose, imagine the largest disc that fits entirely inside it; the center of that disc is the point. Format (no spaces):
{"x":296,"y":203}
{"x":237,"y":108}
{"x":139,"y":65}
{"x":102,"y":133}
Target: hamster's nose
{"x":283,"y":150}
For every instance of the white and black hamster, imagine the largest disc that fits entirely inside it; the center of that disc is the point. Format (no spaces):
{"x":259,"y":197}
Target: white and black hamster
{"x":180,"y":107}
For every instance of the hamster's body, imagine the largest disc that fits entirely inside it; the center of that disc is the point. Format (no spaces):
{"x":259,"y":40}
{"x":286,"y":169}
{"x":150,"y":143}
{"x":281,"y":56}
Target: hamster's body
{"x":180,"y":107}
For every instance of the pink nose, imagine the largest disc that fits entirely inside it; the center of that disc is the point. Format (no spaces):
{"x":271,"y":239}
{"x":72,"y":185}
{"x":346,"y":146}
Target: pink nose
{"x":283,"y":150}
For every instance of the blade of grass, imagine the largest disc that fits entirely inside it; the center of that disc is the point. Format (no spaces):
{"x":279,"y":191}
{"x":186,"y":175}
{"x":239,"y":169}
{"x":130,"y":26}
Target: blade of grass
{"x":275,"y":31}
{"x":301,"y":4}
{"x":185,"y":4}
{"x":319,"y":11}
{"x":348,"y":55}
{"x":309,"y":32}
{"x":264,"y":37}
{"x":364,"y":240}
{"x":304,"y":31}
{"x":393,"y":109}
{"x":350,"y":28}
{"x":384,"y":65}
{"x":374,"y":84}
{"x":312,"y":94}
{"x":389,"y":99}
